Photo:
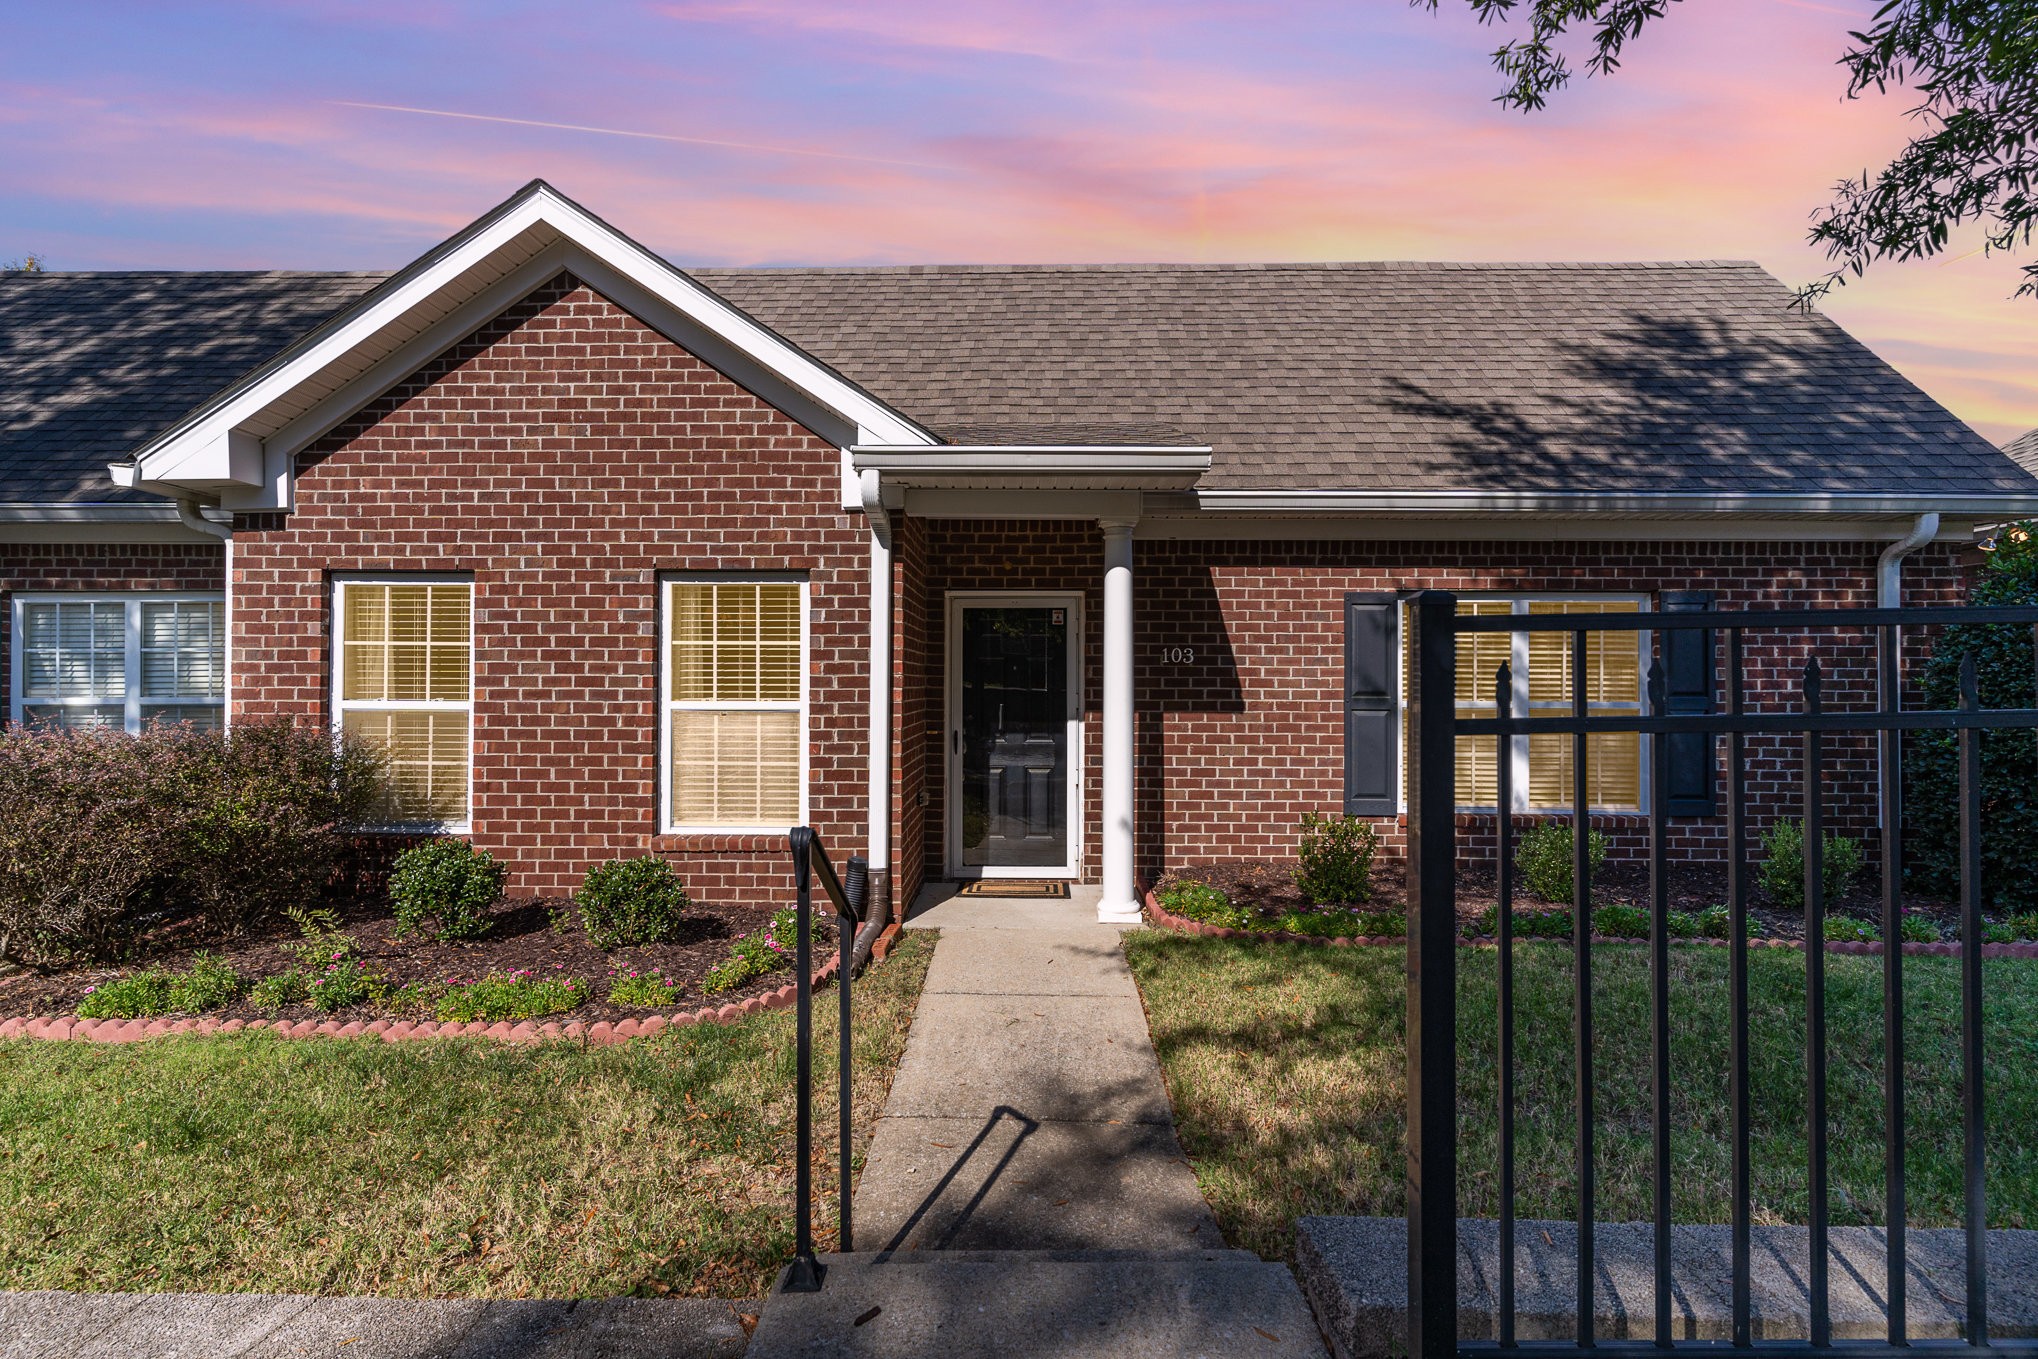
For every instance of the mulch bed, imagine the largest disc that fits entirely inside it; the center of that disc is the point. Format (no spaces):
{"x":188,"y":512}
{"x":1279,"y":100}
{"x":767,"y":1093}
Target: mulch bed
{"x":1270,"y":887}
{"x":523,"y":937}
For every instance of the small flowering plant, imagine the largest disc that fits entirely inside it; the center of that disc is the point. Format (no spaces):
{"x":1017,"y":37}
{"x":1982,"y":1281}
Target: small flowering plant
{"x":344,"y":981}
{"x":647,"y":989}
{"x":758,"y":954}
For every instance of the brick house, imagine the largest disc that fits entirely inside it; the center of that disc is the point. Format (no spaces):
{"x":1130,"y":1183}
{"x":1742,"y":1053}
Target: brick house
{"x":1043,"y":571}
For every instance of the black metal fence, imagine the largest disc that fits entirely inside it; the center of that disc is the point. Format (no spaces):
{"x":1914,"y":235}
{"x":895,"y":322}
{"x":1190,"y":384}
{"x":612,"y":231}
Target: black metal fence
{"x":1435,"y":727}
{"x":850,"y":895}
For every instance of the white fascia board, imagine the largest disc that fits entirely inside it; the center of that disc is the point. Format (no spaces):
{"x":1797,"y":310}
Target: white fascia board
{"x":1590,"y":503}
{"x":184,"y":451}
{"x":1131,"y":460}
{"x":1526,"y":528}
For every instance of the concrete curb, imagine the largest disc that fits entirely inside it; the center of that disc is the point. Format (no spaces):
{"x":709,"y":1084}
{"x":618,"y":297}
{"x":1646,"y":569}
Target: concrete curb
{"x":1161,"y":917}
{"x":600,"y":1034}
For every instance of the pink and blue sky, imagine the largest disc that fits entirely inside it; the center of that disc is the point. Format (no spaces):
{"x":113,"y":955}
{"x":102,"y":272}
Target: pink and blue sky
{"x":327,"y":134}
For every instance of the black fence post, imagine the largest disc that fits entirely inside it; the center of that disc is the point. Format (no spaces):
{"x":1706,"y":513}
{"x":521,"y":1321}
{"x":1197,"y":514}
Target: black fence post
{"x":1432,"y":1039}
{"x":1976,"y":1214}
{"x":805,"y":1274}
{"x":856,"y":888}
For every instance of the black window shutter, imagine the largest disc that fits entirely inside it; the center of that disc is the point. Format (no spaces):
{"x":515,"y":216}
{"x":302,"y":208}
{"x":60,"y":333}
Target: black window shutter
{"x":1372,"y":703}
{"x":1688,"y":691}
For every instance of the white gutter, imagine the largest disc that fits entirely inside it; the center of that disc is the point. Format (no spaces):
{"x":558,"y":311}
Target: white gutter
{"x":1587,"y":502}
{"x":1889,"y":567}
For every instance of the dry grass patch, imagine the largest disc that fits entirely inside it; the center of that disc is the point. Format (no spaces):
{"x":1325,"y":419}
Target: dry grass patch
{"x":432,"y":1169}
{"x":1284,"y":1062}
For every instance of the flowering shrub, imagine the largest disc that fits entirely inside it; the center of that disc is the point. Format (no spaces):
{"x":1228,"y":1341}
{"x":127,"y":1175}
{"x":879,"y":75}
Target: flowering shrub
{"x":755,"y":955}
{"x":632,"y":901}
{"x":104,"y":836}
{"x":444,"y":889}
{"x":139,"y":995}
{"x":644,"y":988}
{"x":522,"y":994}
{"x":343,"y":982}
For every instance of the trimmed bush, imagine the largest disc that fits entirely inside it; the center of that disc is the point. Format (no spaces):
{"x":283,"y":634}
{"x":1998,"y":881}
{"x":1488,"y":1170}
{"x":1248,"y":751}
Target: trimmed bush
{"x":1543,"y":858}
{"x":632,"y":901}
{"x":1782,"y":870}
{"x":104,"y":836}
{"x":1337,"y":860}
{"x":444,"y":889}
{"x":2009,"y":759}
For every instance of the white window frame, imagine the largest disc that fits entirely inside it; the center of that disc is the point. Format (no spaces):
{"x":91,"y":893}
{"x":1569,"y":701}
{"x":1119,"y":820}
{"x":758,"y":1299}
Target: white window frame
{"x":667,"y":705}
{"x":1518,"y":664}
{"x":133,"y":700}
{"x":336,"y":616}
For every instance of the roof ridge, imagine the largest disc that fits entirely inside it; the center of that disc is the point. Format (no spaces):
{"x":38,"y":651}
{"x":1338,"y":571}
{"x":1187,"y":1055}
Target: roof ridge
{"x":195,"y":273}
{"x":1237,"y":266}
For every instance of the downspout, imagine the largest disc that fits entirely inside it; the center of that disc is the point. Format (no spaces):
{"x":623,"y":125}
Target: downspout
{"x":878,"y":834}
{"x":189,"y":516}
{"x":1889,"y":594}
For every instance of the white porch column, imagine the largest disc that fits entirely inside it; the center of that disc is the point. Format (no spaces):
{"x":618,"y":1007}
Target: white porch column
{"x":878,"y":830}
{"x":1120,"y":902}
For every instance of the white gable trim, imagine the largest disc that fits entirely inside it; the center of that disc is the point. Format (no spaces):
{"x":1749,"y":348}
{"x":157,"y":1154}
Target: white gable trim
{"x":223,"y":448}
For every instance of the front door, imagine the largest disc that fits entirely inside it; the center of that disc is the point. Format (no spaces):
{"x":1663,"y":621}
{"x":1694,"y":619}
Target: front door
{"x":1013,"y":741}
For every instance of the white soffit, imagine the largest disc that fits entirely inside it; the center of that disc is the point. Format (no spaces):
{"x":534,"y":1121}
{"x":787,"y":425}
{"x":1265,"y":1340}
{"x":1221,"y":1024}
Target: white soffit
{"x":454,"y":290}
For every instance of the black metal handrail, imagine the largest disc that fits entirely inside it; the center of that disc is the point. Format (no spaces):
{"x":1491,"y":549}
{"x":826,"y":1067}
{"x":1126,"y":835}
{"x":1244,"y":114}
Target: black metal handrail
{"x":850,"y":895}
{"x":1435,"y":727}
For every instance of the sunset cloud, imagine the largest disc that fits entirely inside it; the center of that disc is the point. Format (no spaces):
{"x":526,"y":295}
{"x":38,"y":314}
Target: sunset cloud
{"x":316,"y":134}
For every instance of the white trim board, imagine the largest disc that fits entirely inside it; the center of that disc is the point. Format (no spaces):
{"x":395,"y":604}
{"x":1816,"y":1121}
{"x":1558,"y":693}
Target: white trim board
{"x":953,"y":603}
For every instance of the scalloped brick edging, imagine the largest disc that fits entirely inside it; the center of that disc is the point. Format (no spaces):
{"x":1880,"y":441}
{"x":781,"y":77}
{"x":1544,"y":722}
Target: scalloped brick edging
{"x":1166,"y":919}
{"x":597,"y":1034}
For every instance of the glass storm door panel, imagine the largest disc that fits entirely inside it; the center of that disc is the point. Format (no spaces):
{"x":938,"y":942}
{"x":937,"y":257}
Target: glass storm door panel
{"x":1013,"y":736}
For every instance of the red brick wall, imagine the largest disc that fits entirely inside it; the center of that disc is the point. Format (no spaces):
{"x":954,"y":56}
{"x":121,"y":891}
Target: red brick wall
{"x":566,"y":455}
{"x":1233,"y":748}
{"x":99,"y":566}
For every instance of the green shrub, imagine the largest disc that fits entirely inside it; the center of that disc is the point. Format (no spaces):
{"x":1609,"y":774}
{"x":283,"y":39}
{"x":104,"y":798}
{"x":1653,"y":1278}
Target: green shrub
{"x":1620,"y":921}
{"x":755,"y":955}
{"x":1341,"y":924}
{"x":647,"y":989}
{"x":1997,"y":932}
{"x":1717,"y":922}
{"x":2024,"y":926}
{"x":271,"y":994}
{"x":1552,"y":922}
{"x":1206,"y":905}
{"x":209,"y":984}
{"x":320,"y":940}
{"x":103,"y":835}
{"x":1851,"y":929}
{"x":344,"y":983}
{"x":139,"y":995}
{"x":1337,"y":860}
{"x":1782,"y":870}
{"x":412,"y":998}
{"x":1917,"y":929}
{"x":1681,"y":925}
{"x":444,"y":888}
{"x":509,"y":995}
{"x":632,"y":901}
{"x":2009,"y":759}
{"x":1543,"y":858}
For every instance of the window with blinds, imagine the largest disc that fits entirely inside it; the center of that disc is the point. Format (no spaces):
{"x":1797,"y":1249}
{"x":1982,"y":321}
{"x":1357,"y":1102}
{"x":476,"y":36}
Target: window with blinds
{"x":405,"y":682}
{"x":735,"y":701}
{"x":119,"y":662}
{"x":1541,"y":663}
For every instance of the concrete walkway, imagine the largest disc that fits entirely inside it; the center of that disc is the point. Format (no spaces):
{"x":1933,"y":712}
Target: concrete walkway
{"x":272,"y":1326}
{"x":1025,"y":1194}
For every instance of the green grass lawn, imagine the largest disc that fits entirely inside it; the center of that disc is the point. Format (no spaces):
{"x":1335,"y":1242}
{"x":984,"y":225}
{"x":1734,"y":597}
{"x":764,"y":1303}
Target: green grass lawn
{"x":437,"y":1168}
{"x":1285,"y":1065}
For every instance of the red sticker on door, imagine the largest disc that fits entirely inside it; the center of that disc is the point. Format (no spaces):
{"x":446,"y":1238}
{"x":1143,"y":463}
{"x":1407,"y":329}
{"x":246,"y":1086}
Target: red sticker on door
{"x":1056,"y":616}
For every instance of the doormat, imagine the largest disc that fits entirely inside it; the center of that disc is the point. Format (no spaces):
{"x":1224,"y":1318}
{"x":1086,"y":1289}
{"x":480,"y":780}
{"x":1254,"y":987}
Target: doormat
{"x":1014,"y":887}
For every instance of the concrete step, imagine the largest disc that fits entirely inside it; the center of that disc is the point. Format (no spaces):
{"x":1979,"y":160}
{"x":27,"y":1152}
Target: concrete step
{"x":1042,"y":1305}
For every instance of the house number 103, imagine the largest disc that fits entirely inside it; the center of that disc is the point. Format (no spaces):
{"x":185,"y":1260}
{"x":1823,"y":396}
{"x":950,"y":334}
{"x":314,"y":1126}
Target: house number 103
{"x":1179,"y":655}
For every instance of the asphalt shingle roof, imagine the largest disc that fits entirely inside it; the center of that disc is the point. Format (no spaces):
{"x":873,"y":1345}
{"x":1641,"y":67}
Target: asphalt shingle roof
{"x":2024,"y":449}
{"x":1613,"y":377}
{"x":92,"y":364}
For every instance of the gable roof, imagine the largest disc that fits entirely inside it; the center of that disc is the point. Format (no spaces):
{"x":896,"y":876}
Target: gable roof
{"x":1693,"y":377}
{"x":1685,"y":378}
{"x":2023,"y":450}
{"x":93,"y":363}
